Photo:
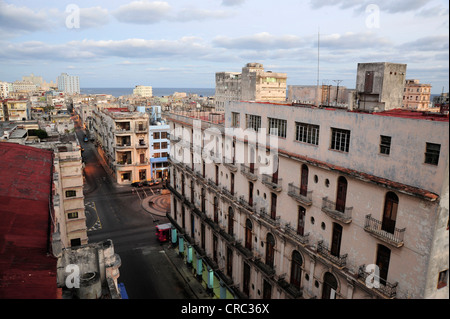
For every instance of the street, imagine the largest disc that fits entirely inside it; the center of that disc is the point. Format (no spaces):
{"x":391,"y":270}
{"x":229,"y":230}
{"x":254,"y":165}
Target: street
{"x":114,"y":212}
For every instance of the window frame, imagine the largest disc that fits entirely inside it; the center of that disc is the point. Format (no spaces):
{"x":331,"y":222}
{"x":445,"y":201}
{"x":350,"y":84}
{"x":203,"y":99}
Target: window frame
{"x":384,"y":145}
{"x":307,"y":133}
{"x":337,"y":141}
{"x":432,"y":156}
{"x":279,"y":124}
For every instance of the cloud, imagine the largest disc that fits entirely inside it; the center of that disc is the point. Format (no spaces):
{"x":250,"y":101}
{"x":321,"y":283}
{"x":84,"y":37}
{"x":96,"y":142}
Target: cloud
{"x":431,"y":43}
{"x":15,"y":18}
{"x":88,"y":50}
{"x":143,"y":12}
{"x":259,"y":41}
{"x":388,"y":6}
{"x":200,"y":14}
{"x":231,"y":3}
{"x":93,"y":17}
{"x":354,"y":41}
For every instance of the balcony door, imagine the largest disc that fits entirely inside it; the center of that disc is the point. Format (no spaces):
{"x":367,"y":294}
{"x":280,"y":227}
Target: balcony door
{"x":383,"y":259}
{"x":304,"y":180}
{"x":250,"y":193}
{"x":301,"y":220}
{"x":248,"y":234}
{"x":270,"y":250}
{"x":336,"y":240}
{"x":329,"y":286}
{"x":296,"y":269}
{"x":390,"y":213}
{"x":341,"y":194}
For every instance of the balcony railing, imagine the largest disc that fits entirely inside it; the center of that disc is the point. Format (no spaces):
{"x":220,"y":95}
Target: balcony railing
{"x":123,"y":163}
{"x":296,"y":193}
{"x":291,"y":232}
{"x":340,"y":260}
{"x":268,"y":218}
{"x":141,"y":145}
{"x":269,"y":182}
{"x":246,"y":204}
{"x":386,"y":289}
{"x":329,"y":208}
{"x":247,"y":172}
{"x":141,"y":128}
{"x":123,"y":146}
{"x":374,"y":227}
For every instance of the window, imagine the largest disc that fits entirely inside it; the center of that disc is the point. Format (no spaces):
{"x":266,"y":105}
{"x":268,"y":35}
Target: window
{"x":432,"y":153}
{"x":163,"y":134}
{"x":164,"y":145}
{"x":307,"y":133}
{"x":385,"y":144}
{"x":253,"y":121}
{"x":156,"y":146}
{"x":277,"y":127}
{"x":443,"y":278}
{"x":235,"y":119}
{"x":340,"y":139}
{"x":72,"y":215}
{"x":71,"y":193}
{"x":156,"y":135}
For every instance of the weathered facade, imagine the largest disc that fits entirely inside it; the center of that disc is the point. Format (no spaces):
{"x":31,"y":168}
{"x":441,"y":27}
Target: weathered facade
{"x":352,"y":193}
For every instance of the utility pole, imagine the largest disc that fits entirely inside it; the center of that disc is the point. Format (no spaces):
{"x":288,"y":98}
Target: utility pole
{"x":337,"y":89}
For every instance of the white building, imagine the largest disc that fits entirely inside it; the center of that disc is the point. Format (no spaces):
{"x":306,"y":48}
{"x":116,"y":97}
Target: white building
{"x":4,"y":90}
{"x":68,"y":83}
{"x":144,"y":91}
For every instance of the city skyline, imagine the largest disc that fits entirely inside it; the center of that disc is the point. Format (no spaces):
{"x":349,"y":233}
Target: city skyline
{"x":183,"y":44}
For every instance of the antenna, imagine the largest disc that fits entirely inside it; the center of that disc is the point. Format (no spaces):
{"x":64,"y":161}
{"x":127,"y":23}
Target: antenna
{"x":318,"y":56}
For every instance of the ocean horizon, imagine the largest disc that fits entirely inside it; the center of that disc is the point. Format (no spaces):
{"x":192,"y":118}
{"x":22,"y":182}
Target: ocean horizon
{"x":116,"y":92}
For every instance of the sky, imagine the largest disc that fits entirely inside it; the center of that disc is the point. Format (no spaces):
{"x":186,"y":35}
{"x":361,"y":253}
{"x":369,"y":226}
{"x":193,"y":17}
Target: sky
{"x":182,"y":44}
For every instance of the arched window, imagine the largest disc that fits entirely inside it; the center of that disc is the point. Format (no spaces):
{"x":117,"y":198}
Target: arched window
{"x":329,"y":286}
{"x":296,"y":269}
{"x":270,"y":250}
{"x":248,"y":234}
{"x":390,"y":212}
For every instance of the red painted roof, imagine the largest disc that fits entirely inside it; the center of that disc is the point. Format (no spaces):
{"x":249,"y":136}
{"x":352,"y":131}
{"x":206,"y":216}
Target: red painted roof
{"x":410,"y":114}
{"x":27,"y":268}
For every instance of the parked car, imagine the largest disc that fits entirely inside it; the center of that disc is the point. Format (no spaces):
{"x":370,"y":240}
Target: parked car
{"x":137,"y":184}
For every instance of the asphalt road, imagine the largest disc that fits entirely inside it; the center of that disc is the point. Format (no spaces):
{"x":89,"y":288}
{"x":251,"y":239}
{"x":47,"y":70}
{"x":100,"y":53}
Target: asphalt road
{"x":114,"y":212}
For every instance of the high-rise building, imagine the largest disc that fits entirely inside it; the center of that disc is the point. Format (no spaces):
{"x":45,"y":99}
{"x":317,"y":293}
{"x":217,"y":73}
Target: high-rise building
{"x":252,"y":84}
{"x":68,"y":83}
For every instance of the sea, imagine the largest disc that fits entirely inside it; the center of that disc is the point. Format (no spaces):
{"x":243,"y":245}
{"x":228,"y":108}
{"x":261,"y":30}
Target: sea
{"x":116,"y":92}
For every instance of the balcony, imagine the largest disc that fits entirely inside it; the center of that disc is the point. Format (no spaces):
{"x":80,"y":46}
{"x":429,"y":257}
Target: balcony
{"x":123,"y":146}
{"x":374,"y":227}
{"x":267,"y":269}
{"x":329,"y":208}
{"x":268,"y":218}
{"x":141,"y":128}
{"x":229,"y":164}
{"x":340,"y":260}
{"x":228,"y":194}
{"x":380,"y":286}
{"x":122,"y":130}
{"x":296,"y":193}
{"x":269,"y":182}
{"x":243,"y":202}
{"x":141,"y":145}
{"x":293,"y":234}
{"x":247,"y":172}
{"x":123,"y":163}
{"x":213,"y":184}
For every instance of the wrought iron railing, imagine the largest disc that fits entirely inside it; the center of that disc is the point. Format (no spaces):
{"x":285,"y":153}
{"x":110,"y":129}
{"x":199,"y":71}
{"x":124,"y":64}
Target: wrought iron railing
{"x":329,"y":207}
{"x":384,"y":287}
{"x":375,"y":227}
{"x":296,"y":193}
{"x":339,"y":260}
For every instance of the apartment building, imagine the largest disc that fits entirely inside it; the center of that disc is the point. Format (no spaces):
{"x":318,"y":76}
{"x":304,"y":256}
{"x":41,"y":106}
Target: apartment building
{"x":416,"y":95}
{"x":4,"y":90}
{"x":252,"y":84}
{"x":341,"y":194}
{"x":142,"y":90}
{"x":123,"y":140}
{"x":16,"y":109}
{"x":159,"y":135}
{"x":68,"y":83}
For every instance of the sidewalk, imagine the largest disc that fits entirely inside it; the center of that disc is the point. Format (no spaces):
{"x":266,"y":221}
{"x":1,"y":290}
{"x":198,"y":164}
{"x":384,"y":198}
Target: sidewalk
{"x":187,"y":273}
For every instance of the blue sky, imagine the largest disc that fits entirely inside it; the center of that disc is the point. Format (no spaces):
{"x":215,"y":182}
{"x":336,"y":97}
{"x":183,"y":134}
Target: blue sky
{"x":183,"y":43}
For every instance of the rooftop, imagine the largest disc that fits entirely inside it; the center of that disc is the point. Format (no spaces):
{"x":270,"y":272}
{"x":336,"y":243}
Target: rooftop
{"x":27,"y":267}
